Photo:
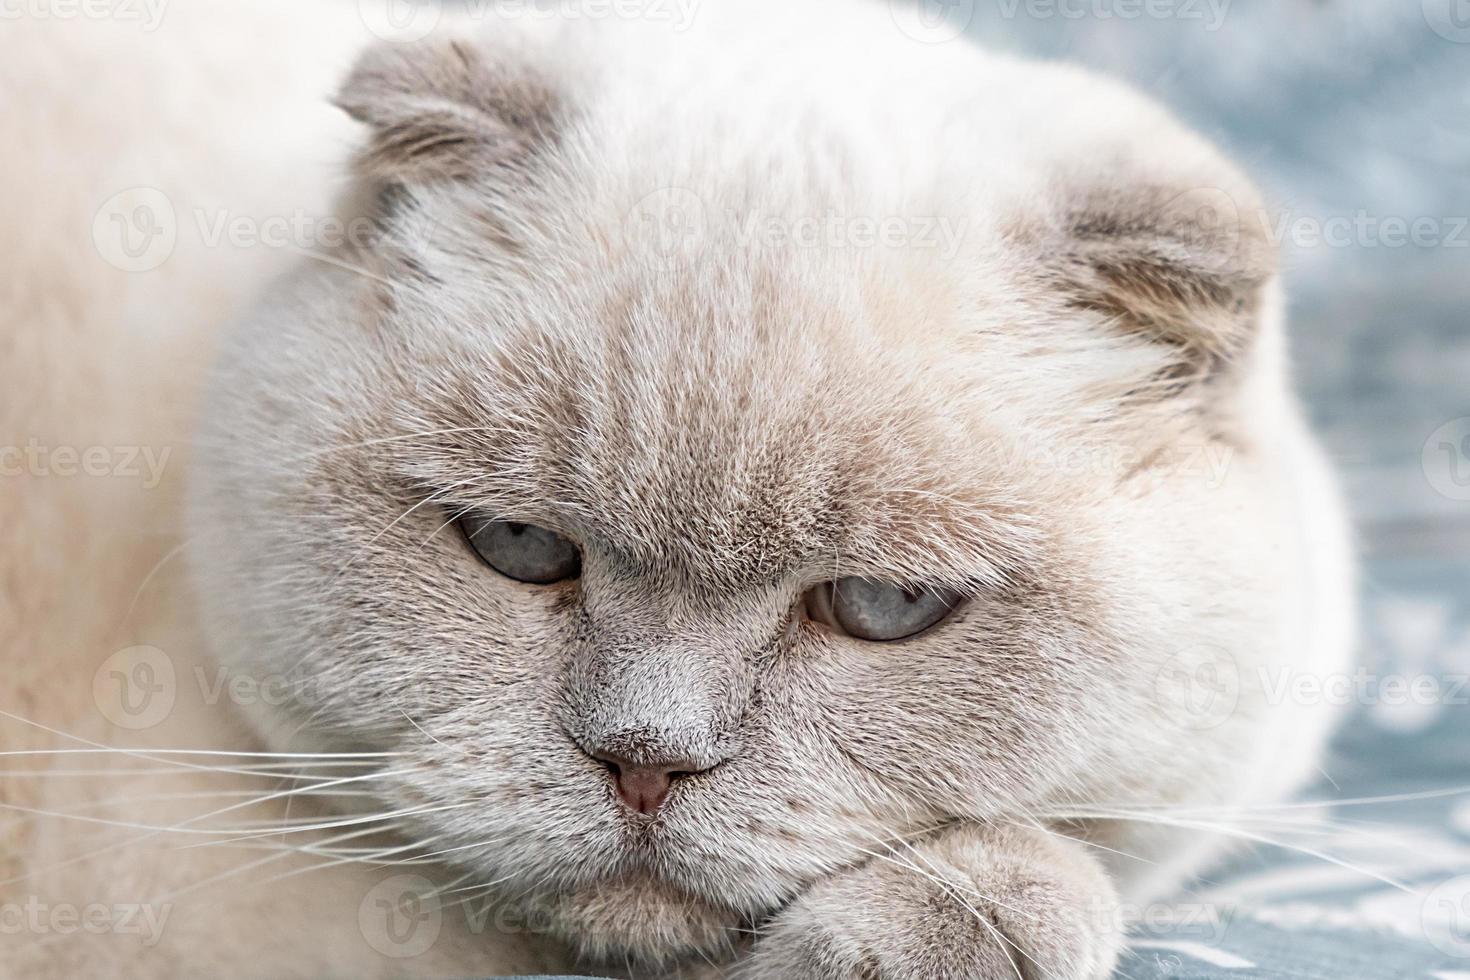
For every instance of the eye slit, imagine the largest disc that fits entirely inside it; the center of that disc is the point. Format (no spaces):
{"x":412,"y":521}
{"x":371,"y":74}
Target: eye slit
{"x":523,"y":552}
{"x":869,"y":609}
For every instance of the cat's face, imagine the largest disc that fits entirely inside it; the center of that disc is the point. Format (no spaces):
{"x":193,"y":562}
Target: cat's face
{"x":701,"y":440}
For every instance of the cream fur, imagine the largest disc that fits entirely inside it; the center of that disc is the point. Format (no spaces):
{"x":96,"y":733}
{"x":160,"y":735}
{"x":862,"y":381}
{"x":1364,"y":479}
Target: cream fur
{"x":1021,"y":411}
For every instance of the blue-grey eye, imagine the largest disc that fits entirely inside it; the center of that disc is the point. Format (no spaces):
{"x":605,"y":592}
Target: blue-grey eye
{"x":869,"y":609}
{"x":524,"y":552}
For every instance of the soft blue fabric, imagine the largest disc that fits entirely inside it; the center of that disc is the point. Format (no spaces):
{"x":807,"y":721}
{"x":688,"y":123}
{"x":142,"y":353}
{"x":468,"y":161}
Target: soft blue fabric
{"x":1281,"y":913}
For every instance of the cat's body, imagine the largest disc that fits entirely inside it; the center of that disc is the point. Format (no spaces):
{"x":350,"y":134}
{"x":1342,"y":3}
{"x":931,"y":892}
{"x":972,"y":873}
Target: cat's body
{"x":737,"y":314}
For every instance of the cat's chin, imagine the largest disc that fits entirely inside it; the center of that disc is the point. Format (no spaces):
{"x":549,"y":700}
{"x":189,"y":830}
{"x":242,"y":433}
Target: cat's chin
{"x":643,"y":919}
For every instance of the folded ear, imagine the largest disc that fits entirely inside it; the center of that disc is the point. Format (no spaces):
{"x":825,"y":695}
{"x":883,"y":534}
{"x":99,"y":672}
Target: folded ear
{"x":446,"y":109}
{"x":1185,"y":266}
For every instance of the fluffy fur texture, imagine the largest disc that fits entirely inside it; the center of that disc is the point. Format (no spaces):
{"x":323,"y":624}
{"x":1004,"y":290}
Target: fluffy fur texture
{"x":563,"y":319}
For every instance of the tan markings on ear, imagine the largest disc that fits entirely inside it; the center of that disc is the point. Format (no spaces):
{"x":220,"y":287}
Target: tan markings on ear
{"x":445,"y":109}
{"x":1183,"y":266}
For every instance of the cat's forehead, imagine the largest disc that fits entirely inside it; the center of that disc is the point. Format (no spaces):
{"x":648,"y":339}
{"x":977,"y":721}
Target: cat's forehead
{"x":737,"y":426}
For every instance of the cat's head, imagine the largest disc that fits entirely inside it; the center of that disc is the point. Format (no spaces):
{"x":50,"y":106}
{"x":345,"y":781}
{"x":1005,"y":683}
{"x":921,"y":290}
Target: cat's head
{"x":733,"y":454}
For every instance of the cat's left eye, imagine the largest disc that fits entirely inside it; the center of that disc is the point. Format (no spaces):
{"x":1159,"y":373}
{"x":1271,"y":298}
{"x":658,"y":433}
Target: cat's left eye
{"x":869,"y":609}
{"x":523,"y":552}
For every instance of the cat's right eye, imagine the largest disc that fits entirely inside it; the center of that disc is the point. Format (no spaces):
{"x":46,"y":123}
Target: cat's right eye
{"x":523,"y":552}
{"x":868,"y":609}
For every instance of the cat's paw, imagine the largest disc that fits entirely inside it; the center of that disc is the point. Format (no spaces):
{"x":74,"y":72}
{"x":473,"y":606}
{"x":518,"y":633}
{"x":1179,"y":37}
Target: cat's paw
{"x":973,"y":905}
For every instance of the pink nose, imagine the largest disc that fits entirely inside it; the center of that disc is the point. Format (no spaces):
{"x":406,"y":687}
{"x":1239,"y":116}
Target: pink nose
{"x":643,"y":788}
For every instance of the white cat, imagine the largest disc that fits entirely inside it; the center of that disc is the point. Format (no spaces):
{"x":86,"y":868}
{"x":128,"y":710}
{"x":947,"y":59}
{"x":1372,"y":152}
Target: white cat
{"x":769,"y":498}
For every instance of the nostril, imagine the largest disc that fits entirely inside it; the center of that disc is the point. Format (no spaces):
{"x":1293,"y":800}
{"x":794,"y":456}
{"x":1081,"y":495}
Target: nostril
{"x":643,"y":788}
